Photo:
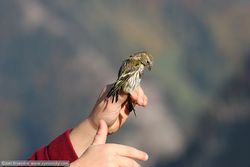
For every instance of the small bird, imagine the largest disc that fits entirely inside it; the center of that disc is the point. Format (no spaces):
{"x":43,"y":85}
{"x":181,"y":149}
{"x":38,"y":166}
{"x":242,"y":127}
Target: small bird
{"x":129,"y":76}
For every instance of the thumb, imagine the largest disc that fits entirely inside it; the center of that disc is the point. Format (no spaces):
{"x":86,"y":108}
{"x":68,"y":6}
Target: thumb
{"x":101,"y":135}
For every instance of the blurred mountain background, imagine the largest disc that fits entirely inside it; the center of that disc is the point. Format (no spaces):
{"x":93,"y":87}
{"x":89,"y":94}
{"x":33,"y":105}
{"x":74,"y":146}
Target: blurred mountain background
{"x":56,"y":56}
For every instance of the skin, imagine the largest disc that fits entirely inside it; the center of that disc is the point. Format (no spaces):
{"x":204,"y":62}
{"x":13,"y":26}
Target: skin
{"x":109,"y":155}
{"x":89,"y":137}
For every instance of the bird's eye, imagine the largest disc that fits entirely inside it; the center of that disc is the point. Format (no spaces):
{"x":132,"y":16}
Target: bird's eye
{"x":147,"y":62}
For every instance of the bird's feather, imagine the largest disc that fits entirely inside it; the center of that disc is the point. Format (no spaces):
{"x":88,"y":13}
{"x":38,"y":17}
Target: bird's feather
{"x":129,"y":76}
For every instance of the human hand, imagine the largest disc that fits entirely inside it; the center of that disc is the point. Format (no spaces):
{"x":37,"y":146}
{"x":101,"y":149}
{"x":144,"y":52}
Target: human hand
{"x":115,"y":114}
{"x":109,"y":155}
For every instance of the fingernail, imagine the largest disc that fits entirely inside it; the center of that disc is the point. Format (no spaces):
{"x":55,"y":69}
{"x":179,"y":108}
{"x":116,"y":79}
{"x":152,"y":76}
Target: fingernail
{"x":146,"y":157}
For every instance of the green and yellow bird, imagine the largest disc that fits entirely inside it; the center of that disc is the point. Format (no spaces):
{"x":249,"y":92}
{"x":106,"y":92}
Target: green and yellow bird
{"x":129,"y":76}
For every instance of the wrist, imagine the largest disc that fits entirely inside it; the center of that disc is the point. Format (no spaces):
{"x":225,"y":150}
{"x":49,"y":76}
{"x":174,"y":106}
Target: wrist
{"x":82,"y":136}
{"x":93,"y":125}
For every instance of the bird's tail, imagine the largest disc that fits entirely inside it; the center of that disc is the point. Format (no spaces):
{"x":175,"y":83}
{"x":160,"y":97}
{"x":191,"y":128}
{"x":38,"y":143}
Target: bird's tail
{"x":114,"y":91}
{"x":131,"y":105}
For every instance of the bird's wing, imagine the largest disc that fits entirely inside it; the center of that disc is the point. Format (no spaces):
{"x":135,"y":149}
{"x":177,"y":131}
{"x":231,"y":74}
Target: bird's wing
{"x":127,"y":69}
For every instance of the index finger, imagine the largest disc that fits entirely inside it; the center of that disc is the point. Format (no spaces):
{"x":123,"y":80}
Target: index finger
{"x":139,"y":97}
{"x":130,"y":152}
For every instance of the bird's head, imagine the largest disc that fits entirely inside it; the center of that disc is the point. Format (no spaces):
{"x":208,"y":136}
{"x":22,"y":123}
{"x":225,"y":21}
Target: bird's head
{"x":145,"y":58}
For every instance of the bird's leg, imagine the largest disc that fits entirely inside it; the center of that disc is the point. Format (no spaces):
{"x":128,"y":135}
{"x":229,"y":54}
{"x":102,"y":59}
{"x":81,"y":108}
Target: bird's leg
{"x":113,"y":98}
{"x":130,"y":105}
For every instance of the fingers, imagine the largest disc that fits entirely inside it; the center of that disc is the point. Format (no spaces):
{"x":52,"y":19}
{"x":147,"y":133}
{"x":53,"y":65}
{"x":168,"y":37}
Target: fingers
{"x":125,"y":162}
{"x":101,"y":135}
{"x":130,"y":152}
{"x":145,"y":100}
{"x":139,"y":97}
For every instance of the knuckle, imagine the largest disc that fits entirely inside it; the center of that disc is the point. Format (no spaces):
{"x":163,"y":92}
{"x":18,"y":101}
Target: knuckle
{"x":131,"y":152}
{"x":107,"y":149}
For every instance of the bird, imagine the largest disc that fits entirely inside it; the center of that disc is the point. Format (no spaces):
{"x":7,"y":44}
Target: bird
{"x":129,"y":76}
